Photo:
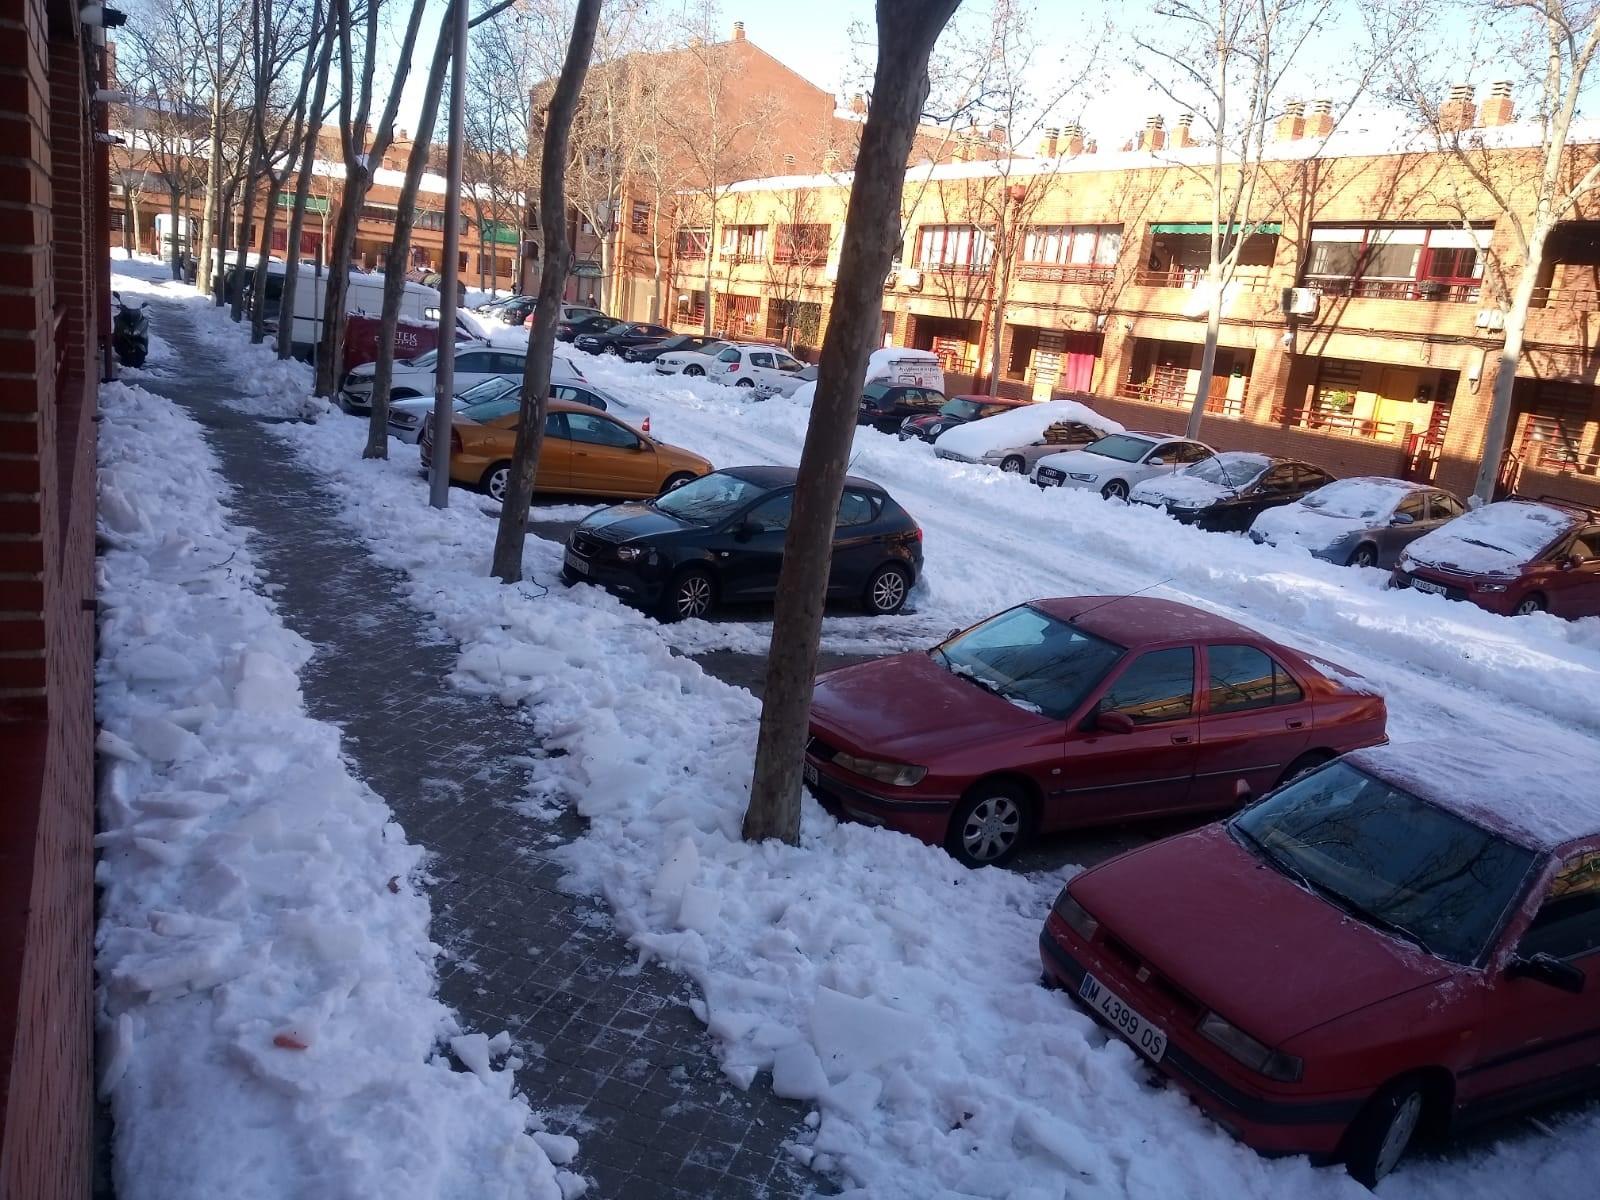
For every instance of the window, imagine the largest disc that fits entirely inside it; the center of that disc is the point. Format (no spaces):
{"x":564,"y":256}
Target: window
{"x":1158,"y":687}
{"x":855,"y":508}
{"x":953,"y":248}
{"x":1411,"y":506}
{"x":476,"y":363}
{"x":730,"y":355}
{"x":805,"y":244}
{"x":502,"y":363}
{"x":1243,"y":677}
{"x":760,"y":358}
{"x":693,"y":243}
{"x":1403,"y":263}
{"x":744,"y":243}
{"x":576,"y":395}
{"x":1444,"y":507}
{"x":1280,"y":479}
{"x":1073,"y":245}
{"x":771,"y":516}
{"x":1308,"y":477}
{"x":784,"y":363}
{"x":1585,"y":546}
{"x":493,"y":410}
{"x":691,"y":306}
{"x":1568,"y":923}
{"x":597,"y":431}
{"x":639,"y":221}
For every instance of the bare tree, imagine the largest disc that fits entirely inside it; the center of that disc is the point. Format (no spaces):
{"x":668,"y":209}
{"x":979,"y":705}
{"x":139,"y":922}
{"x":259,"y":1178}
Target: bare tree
{"x":305,"y":150}
{"x":801,"y":245}
{"x":907,"y":30}
{"x":556,"y":261}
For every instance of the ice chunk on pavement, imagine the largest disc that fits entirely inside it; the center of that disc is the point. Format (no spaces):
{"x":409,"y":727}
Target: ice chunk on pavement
{"x":699,"y":908}
{"x":159,"y":740}
{"x":116,"y":1051}
{"x":1062,"y":1141}
{"x":154,"y":664}
{"x":797,"y":1073}
{"x":676,"y":874}
{"x":473,"y":1051}
{"x":856,"y":1097}
{"x":852,"y":1034}
{"x":558,"y":1148}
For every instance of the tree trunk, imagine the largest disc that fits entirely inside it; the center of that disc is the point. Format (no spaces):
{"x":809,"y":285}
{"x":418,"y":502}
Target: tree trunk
{"x":203,"y":256}
{"x":247,"y":212}
{"x":907,"y":30}
{"x":177,"y":241}
{"x":302,"y":189}
{"x":711,"y":263}
{"x":607,"y":293}
{"x":258,"y":289}
{"x":1208,"y":356}
{"x":1505,"y":377}
{"x":554,"y":264}
{"x":130,"y":223}
{"x":997,"y":324}
{"x":394,"y":278}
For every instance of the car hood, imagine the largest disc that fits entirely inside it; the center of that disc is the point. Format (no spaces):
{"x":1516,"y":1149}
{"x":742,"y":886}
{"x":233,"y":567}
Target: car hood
{"x":1296,"y":525}
{"x":1180,"y":491}
{"x":908,"y":708}
{"x":1082,"y":462}
{"x":627,"y":522}
{"x":1270,"y":956}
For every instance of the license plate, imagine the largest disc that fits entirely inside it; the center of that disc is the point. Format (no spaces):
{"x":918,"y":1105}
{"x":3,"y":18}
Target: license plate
{"x":576,"y":563}
{"x":1144,"y":1037}
{"x":811,"y":774}
{"x":1427,"y":585}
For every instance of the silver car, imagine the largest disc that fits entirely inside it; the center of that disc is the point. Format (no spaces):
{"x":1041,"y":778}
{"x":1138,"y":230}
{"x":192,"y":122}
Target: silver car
{"x":1020,"y":460}
{"x":1363,"y":522}
{"x":1116,"y":462}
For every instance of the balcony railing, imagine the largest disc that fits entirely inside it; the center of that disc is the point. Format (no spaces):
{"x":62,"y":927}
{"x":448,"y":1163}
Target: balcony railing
{"x":1563,"y":459}
{"x":1396,"y":289}
{"x":691,"y":253}
{"x":1576,"y":299}
{"x":1065,"y":273}
{"x":738,"y":258}
{"x":942,"y":268}
{"x":1193,"y":277}
{"x":803,"y":256}
{"x":1175,"y":394}
{"x":1343,"y":424}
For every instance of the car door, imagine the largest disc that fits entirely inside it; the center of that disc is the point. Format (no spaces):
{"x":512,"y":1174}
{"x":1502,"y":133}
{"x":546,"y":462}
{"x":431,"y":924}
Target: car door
{"x":555,"y":454}
{"x":609,"y":459}
{"x":1534,"y":1037}
{"x":1254,"y":721}
{"x":1406,"y":524}
{"x":759,"y":370}
{"x":785,"y":372}
{"x":1572,"y":585}
{"x":1107,"y":777}
{"x":1278,"y":485}
{"x":857,"y":543}
{"x":750,"y":555}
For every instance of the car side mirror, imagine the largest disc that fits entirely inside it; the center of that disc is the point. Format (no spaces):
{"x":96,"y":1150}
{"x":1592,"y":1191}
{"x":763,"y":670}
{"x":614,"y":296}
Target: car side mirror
{"x":1157,"y":462}
{"x":745,"y":530}
{"x":1402,"y":519}
{"x":1571,"y":563}
{"x":1547,"y":969}
{"x":1113,"y":722}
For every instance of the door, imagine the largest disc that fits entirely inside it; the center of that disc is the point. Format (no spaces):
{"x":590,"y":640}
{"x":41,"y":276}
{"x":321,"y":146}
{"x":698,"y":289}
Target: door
{"x":609,"y":459}
{"x":761,"y":370}
{"x":1399,"y":531}
{"x":555,"y":454}
{"x":750,"y":554}
{"x":1254,"y":722}
{"x":1573,"y":587}
{"x":1534,"y":1037}
{"x":857,"y":544}
{"x":1109,"y":777}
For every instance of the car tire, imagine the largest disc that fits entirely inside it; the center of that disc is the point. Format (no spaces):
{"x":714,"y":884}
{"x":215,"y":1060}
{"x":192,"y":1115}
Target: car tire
{"x":1364,"y":555}
{"x":1379,"y":1136}
{"x":495,"y":481}
{"x":1310,"y":760}
{"x":885,"y":593}
{"x":1531,"y":603}
{"x":611,"y":350}
{"x":676,"y":481}
{"x":990,"y":826}
{"x":692,"y":593}
{"x":1014,"y":464}
{"x":1115,"y":490}
{"x":744,"y":383}
{"x":691,"y":369}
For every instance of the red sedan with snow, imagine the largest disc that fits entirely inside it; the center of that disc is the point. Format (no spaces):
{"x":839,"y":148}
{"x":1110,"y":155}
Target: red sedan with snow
{"x":1072,"y":712}
{"x":1401,"y":940}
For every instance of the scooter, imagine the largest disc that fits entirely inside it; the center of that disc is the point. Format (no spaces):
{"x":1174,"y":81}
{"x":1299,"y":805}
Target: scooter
{"x":130,"y":333}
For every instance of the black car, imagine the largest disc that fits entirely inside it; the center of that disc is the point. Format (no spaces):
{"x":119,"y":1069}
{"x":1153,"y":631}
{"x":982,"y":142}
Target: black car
{"x":1228,"y":491}
{"x":570,"y":331}
{"x":619,"y":336}
{"x":885,"y":406}
{"x":720,"y":537}
{"x":690,"y":343}
{"x":958,"y":410}
{"x":514,"y":311}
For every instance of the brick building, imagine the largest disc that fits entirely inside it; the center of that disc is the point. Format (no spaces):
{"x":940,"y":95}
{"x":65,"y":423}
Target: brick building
{"x":1383,"y":363}
{"x":54,"y":301}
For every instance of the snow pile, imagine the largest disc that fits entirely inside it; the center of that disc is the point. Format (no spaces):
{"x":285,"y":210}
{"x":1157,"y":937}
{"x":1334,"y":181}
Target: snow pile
{"x":1017,"y":427}
{"x":1333,"y":511}
{"x":1497,"y":539}
{"x":266,"y":977}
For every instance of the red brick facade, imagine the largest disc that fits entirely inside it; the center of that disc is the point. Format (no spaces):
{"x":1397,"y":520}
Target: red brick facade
{"x":54,"y":294}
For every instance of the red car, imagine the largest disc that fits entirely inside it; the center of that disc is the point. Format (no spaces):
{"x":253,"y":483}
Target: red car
{"x":1397,"y":941}
{"x":958,"y":410}
{"x":1514,"y":557}
{"x":1069,"y":712}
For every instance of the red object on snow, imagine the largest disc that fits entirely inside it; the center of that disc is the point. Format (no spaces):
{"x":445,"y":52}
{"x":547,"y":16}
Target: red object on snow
{"x":288,"y":1041}
{"x":410,"y":339}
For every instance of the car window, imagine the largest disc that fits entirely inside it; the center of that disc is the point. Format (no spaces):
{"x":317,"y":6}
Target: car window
{"x":597,"y":431}
{"x":1444,"y":507}
{"x":475,"y":362}
{"x":1307,"y":477}
{"x":1279,"y":479}
{"x":856,"y":508}
{"x":759,"y":358}
{"x":576,"y":395}
{"x":1568,"y":922}
{"x":1194,"y":452}
{"x":1586,"y":545}
{"x":772,"y":514}
{"x":1244,"y":677}
{"x":491,"y":410}
{"x":785,"y":363}
{"x":507,"y":364}
{"x":730,"y":355}
{"x":1411,"y":506}
{"x":555,"y":426}
{"x":1159,"y":686}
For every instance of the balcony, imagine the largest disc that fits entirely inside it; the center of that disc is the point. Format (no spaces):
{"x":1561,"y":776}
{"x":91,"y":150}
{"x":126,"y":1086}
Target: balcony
{"x":1435,"y":290}
{"x":1170,"y":386}
{"x":1194,"y":277}
{"x":1342,"y":424}
{"x":1065,"y":273}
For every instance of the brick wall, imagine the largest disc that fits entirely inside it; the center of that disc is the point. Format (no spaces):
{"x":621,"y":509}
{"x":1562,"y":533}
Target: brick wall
{"x":53,"y":288}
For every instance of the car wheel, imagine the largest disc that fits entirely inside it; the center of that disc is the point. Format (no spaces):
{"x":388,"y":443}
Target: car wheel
{"x":1380,"y":1135}
{"x":496,"y":480}
{"x":1530,"y":604}
{"x":675,"y":481}
{"x":1308,"y":761}
{"x":1013,"y":464}
{"x":611,"y":350}
{"x":745,"y":383}
{"x":691,"y":369}
{"x":690,"y":595}
{"x":1366,"y":555}
{"x":886,"y":590}
{"x":1115,"y":490}
{"x":990,"y":826}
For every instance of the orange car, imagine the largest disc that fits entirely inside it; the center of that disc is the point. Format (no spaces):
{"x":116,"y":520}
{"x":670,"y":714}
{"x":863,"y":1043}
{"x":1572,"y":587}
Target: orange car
{"x":585,"y":451}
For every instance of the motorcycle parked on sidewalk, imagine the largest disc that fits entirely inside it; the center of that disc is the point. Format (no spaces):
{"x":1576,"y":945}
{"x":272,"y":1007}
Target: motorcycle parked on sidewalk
{"x":130,"y":333}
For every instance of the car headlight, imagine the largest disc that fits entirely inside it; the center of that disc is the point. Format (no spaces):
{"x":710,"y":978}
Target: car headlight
{"x":629,"y":553}
{"x":1086,"y":476}
{"x":1491,"y":587}
{"x":899,"y":774}
{"x":1241,"y":1046}
{"x":1079,"y":921}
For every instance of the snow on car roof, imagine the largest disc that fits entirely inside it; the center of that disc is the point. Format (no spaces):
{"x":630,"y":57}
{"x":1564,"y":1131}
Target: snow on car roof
{"x":1496,"y":539}
{"x":1366,"y":496}
{"x":1020,"y":427}
{"x":1132,"y":620}
{"x":1538,"y":800}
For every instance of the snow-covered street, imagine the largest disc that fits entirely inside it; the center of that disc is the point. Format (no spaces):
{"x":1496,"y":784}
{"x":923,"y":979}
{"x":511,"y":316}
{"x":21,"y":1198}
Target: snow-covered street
{"x":893,"y":991}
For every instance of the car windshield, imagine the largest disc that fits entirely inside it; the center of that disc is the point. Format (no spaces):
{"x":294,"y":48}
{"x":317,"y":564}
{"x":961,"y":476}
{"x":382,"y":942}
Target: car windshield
{"x":425,"y":359}
{"x":875,"y":391}
{"x":1030,"y":658}
{"x":492,"y":410}
{"x":617,"y":327}
{"x":1390,"y":859}
{"x":711,"y":499}
{"x":1120,"y":447}
{"x":1229,"y":470}
{"x":484,"y":390}
{"x":967,"y":410}
{"x":1355,"y":499}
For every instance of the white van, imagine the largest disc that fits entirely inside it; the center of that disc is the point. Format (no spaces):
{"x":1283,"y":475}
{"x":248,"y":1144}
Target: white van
{"x":907,"y":368}
{"x":364,"y":296}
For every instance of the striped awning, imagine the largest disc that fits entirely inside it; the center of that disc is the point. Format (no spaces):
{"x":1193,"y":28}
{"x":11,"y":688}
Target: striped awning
{"x":1204,"y":227}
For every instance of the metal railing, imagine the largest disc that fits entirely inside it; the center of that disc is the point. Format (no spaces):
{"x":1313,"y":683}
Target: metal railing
{"x":1576,"y":299}
{"x":1178,"y":395}
{"x":1065,"y":273}
{"x":1342,"y":424}
{"x":1564,"y":459}
{"x":1193,"y":277}
{"x":943,"y":268}
{"x":1395,"y":289}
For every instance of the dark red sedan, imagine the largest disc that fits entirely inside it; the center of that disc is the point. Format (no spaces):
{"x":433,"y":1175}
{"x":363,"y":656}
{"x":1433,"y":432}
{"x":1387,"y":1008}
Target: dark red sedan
{"x":1399,"y":941}
{"x":1069,"y":712}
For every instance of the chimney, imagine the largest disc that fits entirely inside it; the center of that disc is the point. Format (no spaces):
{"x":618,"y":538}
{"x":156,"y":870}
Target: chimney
{"x":1292,"y":125}
{"x":1049,"y":143}
{"x":1153,"y":136}
{"x":1319,"y":122}
{"x":997,"y":134}
{"x":1458,"y":112}
{"x":1497,"y":109}
{"x":1090,"y":146}
{"x":858,"y":105}
{"x":1072,"y":142}
{"x":738,"y":31}
{"x":1183,"y":135}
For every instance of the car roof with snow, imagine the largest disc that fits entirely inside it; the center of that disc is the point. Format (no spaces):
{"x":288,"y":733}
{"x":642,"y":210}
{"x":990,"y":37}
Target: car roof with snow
{"x":776,"y":477}
{"x":1539,"y":801}
{"x":1134,"y":620}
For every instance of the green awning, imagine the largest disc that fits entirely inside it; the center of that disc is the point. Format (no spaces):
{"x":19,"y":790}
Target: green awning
{"x":1204,"y":227}
{"x":501,"y":233}
{"x":314,"y":204}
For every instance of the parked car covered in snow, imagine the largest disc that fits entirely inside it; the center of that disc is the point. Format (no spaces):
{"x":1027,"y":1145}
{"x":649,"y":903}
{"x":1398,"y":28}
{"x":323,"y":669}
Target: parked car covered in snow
{"x":1404,"y":940}
{"x":687,"y":343}
{"x":407,"y":417}
{"x":1362,"y":522}
{"x":1514,"y":557}
{"x":691,"y":361}
{"x":1228,"y":491}
{"x":958,"y":410}
{"x":1015,"y":441}
{"x":1115,"y":463}
{"x":767,"y":370}
{"x":476,"y":361}
{"x":1073,"y":712}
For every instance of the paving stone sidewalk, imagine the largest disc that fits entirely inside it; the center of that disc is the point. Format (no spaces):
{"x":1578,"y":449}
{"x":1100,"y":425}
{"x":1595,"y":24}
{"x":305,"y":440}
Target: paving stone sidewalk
{"x":613,"y":1054}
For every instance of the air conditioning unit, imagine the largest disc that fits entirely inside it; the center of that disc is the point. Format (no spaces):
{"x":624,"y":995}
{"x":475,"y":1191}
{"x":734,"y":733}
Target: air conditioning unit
{"x":1300,"y":302}
{"x":911,"y":280}
{"x":1490,"y":318}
